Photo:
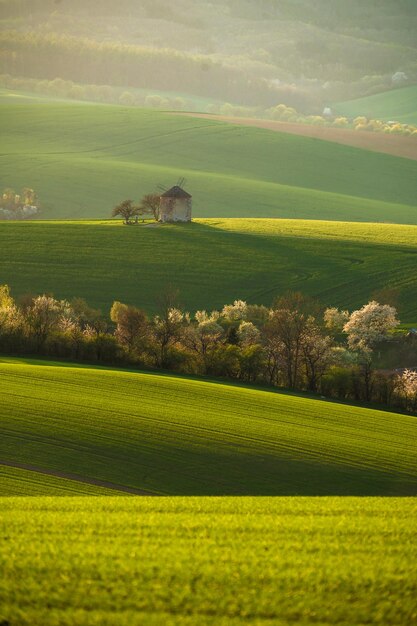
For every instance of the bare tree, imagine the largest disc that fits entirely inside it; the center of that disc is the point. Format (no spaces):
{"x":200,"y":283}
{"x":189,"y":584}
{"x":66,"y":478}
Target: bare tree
{"x":127,"y":210}
{"x":167,"y":325}
{"x":317,"y":354}
{"x":151,"y":203}
{"x":203,"y":338}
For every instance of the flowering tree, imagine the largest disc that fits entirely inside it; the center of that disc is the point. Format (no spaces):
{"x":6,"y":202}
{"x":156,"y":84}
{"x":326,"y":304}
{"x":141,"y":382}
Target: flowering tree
{"x":364,"y":329}
{"x":370,"y":324}
{"x":236,"y":311}
{"x":204,"y":337}
{"x":406,"y":387}
{"x":335,"y":320}
{"x":44,"y":315}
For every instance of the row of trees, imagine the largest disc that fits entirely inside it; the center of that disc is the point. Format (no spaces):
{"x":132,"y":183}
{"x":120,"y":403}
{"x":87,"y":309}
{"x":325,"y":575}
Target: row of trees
{"x":285,"y":113}
{"x":293,"y":344}
{"x":282,"y":112}
{"x":47,"y":56}
{"x":96,"y":93}
{"x":131,"y":212}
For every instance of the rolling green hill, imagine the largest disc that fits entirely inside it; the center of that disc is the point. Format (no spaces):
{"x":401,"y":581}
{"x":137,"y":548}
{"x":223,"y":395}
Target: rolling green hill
{"x":171,"y":435}
{"x":211,"y":262}
{"x":399,"y":105}
{"x":82,"y":160}
{"x":15,"y":481}
{"x":207,"y":561}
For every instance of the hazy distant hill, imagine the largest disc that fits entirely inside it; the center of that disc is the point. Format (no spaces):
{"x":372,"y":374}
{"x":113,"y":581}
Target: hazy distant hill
{"x":301,"y":52}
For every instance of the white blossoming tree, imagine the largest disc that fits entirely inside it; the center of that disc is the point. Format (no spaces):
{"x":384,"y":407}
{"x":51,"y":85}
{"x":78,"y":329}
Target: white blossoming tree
{"x":369,"y":325}
{"x":236,"y":311}
{"x":406,"y":388}
{"x":335,"y":319}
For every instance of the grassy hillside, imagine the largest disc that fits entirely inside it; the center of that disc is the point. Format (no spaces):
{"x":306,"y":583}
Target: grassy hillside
{"x":15,"y":481}
{"x":172,"y":435}
{"x":84,"y":159}
{"x":398,"y":104}
{"x":208,"y":561}
{"x":211,"y":262}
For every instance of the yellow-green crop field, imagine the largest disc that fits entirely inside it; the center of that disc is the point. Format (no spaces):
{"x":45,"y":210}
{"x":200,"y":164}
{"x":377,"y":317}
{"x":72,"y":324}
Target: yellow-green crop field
{"x":208,"y":561}
{"x":211,"y":262}
{"x":172,"y":435}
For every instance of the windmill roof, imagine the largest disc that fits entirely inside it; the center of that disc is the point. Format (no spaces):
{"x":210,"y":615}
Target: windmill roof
{"x":176,"y":192}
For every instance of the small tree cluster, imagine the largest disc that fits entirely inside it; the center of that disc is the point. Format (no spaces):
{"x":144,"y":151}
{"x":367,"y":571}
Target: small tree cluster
{"x":131,"y":213}
{"x":18,"y":206}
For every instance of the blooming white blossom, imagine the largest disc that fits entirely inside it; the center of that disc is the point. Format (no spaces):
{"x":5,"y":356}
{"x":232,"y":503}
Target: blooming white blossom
{"x":406,"y":387}
{"x":203,"y":316}
{"x":370,"y":324}
{"x":335,"y":320}
{"x":235,"y":311}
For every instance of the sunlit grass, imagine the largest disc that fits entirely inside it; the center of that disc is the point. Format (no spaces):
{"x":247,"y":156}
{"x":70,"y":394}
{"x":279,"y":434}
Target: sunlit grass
{"x":174,"y":435}
{"x":211,"y":262}
{"x":82,"y":160}
{"x":208,"y":561}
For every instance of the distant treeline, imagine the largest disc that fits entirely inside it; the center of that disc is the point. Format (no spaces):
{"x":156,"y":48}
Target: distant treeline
{"x":86,"y":61}
{"x":337,"y":40}
{"x":304,"y":54}
{"x":115,"y":95}
{"x":294,"y":344}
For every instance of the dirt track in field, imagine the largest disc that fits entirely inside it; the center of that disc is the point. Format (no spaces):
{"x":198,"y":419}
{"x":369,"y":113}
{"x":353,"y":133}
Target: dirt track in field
{"x":79,"y":479}
{"x":377,"y":142}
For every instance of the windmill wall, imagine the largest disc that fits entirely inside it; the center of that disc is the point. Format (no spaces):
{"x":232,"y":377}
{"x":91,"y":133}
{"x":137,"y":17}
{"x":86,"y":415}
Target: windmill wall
{"x":175,"y":209}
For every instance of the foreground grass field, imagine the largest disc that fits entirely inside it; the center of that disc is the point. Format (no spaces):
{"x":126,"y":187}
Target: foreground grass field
{"x":397,"y":104}
{"x":82,"y":160}
{"x":170,"y":435}
{"x":207,"y":562}
{"x":211,"y":262}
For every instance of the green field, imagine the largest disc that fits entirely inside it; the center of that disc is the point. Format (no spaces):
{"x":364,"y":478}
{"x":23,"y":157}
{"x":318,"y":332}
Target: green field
{"x":208,"y":561}
{"x":173,"y":435}
{"x":398,"y":104}
{"x":212,"y":262}
{"x":192,"y":102}
{"x":20,"y":482}
{"x":84,"y":159}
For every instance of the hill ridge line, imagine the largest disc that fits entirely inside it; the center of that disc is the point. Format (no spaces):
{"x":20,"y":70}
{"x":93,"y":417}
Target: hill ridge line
{"x":75,"y":477}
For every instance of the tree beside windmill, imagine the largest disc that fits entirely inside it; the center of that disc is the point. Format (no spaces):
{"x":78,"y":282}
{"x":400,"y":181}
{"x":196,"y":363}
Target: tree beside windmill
{"x":173,"y":205}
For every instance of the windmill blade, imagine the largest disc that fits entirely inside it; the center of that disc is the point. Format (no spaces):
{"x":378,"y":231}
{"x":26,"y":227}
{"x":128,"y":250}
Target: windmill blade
{"x":181,"y":182}
{"x":162,"y":188}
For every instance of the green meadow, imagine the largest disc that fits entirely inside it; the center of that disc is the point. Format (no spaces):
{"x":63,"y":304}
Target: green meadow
{"x":211,"y":262}
{"x":398,"y":104}
{"x":82,"y":160}
{"x":172,"y":435}
{"x":208,"y":561}
{"x":15,"y":481}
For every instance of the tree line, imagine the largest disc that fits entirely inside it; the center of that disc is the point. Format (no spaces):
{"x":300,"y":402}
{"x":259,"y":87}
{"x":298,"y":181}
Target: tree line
{"x":293,"y":344}
{"x":47,"y":56}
